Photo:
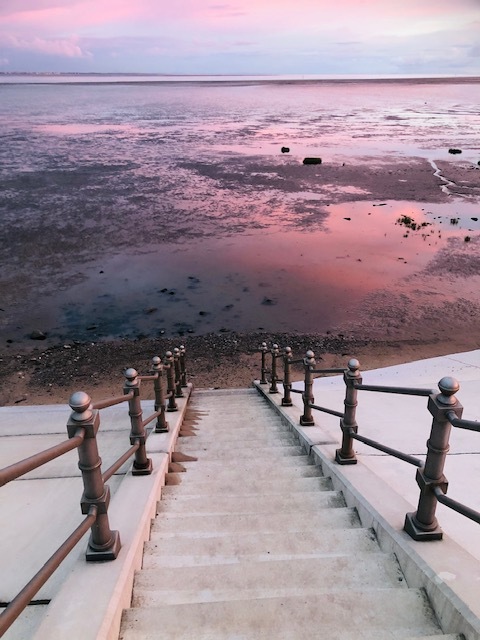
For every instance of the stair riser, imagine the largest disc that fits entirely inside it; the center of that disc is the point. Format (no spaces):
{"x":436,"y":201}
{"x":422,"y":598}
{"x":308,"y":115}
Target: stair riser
{"x":252,"y":504}
{"x":245,"y":485}
{"x":176,"y":525}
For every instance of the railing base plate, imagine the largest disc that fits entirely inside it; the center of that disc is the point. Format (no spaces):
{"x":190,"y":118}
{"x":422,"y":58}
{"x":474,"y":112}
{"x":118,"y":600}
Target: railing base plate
{"x":307,"y":423}
{"x":339,"y":459}
{"x":143,"y":471}
{"x":411,"y":527}
{"x":92,"y":555}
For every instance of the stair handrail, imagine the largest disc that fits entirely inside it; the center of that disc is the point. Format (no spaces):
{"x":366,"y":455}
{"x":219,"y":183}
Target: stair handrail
{"x":446,"y":412}
{"x":82,"y":428}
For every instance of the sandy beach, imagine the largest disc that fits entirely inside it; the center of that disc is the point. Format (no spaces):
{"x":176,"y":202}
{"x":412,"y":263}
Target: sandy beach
{"x":431,"y":312}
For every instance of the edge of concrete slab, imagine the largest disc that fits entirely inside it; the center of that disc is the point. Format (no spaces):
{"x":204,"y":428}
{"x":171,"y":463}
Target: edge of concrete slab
{"x":382,"y":509}
{"x":90,"y":602}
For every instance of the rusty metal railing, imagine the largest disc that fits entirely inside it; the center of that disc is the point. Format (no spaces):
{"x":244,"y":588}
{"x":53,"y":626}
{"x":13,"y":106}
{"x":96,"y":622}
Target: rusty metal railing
{"x":444,"y":407}
{"x":82,"y":428}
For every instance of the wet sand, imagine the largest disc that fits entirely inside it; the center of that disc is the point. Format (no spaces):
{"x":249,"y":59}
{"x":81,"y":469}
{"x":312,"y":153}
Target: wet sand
{"x":431,"y":311}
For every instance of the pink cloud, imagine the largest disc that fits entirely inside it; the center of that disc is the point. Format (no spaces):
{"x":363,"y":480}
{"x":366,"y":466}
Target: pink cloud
{"x":65,"y":47}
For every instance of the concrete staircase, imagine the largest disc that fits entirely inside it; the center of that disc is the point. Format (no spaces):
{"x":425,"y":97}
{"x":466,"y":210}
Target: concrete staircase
{"x":251,"y":541}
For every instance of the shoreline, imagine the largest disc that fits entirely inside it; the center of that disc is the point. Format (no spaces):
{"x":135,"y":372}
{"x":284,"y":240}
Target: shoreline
{"x":32,"y":375}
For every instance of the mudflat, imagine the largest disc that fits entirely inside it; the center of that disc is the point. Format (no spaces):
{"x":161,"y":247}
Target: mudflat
{"x":431,"y":310}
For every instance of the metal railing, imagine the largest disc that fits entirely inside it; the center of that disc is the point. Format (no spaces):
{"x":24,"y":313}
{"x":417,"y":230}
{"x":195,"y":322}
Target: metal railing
{"x":446,"y":413}
{"x":82,"y":428}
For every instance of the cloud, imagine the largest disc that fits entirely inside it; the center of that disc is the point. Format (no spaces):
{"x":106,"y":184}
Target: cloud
{"x":64,"y":47}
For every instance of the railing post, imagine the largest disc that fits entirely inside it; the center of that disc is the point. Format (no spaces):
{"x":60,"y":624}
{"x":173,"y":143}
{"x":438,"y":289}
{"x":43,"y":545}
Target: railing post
{"x":351,"y":377}
{"x":157,"y":368}
{"x":287,"y":384}
{"x":142,"y":466}
{"x":178,"y":374}
{"x":183,"y":367}
{"x":423,"y":524}
{"x":306,"y":420}
{"x":170,"y":367}
{"x":275,"y":351}
{"x":104,"y":544}
{"x":264,"y":351}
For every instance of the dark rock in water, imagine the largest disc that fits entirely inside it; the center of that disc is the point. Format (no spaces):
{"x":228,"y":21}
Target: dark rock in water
{"x":38,"y":335}
{"x":347,"y":218}
{"x":312,"y":161}
{"x":285,"y":149}
{"x":268,"y":301}
{"x":454,"y":151}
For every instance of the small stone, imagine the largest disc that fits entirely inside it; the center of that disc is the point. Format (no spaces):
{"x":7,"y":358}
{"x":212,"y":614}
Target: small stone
{"x":38,"y":335}
{"x":312,"y":161}
{"x":285,"y":149}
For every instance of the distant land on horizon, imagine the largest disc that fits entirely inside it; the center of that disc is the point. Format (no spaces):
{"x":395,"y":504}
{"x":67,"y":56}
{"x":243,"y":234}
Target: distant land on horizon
{"x":170,"y":77}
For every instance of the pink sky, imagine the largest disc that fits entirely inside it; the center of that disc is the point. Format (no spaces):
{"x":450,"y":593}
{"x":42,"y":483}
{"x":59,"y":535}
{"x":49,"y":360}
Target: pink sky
{"x":242,"y":36}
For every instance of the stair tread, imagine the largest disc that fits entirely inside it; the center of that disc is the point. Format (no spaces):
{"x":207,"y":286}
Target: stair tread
{"x":181,"y":523}
{"x":277,"y":578}
{"x":346,"y":615}
{"x":196,"y":549}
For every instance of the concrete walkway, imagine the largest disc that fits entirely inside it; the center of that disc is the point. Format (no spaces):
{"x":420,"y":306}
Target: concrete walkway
{"x":382,"y":490}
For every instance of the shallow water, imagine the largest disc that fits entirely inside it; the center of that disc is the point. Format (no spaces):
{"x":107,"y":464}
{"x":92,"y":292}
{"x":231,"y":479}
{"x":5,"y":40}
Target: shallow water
{"x":149,"y":208}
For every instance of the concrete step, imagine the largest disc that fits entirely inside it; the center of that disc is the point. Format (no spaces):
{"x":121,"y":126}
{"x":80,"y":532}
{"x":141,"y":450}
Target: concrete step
{"x":224,"y":524}
{"x":277,"y":578}
{"x":242,"y":450}
{"x":275,"y":503}
{"x":362,"y":614}
{"x":243,"y":485}
{"x":292,"y":463}
{"x":239,"y":436}
{"x":194,"y":549}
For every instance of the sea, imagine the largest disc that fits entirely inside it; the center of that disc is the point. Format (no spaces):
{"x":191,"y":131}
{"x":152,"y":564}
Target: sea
{"x":135,"y":205}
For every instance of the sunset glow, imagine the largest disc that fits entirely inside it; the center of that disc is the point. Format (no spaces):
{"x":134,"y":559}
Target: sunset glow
{"x":241,"y":36}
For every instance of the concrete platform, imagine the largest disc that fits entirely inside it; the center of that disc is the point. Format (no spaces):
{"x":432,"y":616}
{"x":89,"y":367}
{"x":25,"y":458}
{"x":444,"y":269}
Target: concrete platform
{"x":41,"y":509}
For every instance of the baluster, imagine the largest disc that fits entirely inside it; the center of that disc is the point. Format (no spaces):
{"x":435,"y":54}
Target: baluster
{"x":104,"y":544}
{"x":275,"y":353}
{"x":178,"y":375}
{"x":142,"y":466}
{"x":157,"y":368}
{"x":351,"y":377}
{"x":169,"y":364}
{"x":306,"y":419}
{"x":183,"y":368}
{"x":423,"y":524}
{"x":264,"y":351}
{"x":287,"y":385}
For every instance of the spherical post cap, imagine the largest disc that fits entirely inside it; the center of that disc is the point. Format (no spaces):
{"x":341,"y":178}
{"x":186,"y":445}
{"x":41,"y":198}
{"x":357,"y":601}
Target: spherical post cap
{"x":169,"y":354}
{"x":156,"y":361}
{"x":353,"y":364}
{"x":264,"y":345}
{"x":80,"y":401}
{"x":288,"y":351}
{"x":448,"y":388}
{"x":131,"y":373}
{"x":275,"y":347}
{"x":176,"y":351}
{"x":310,"y":354}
